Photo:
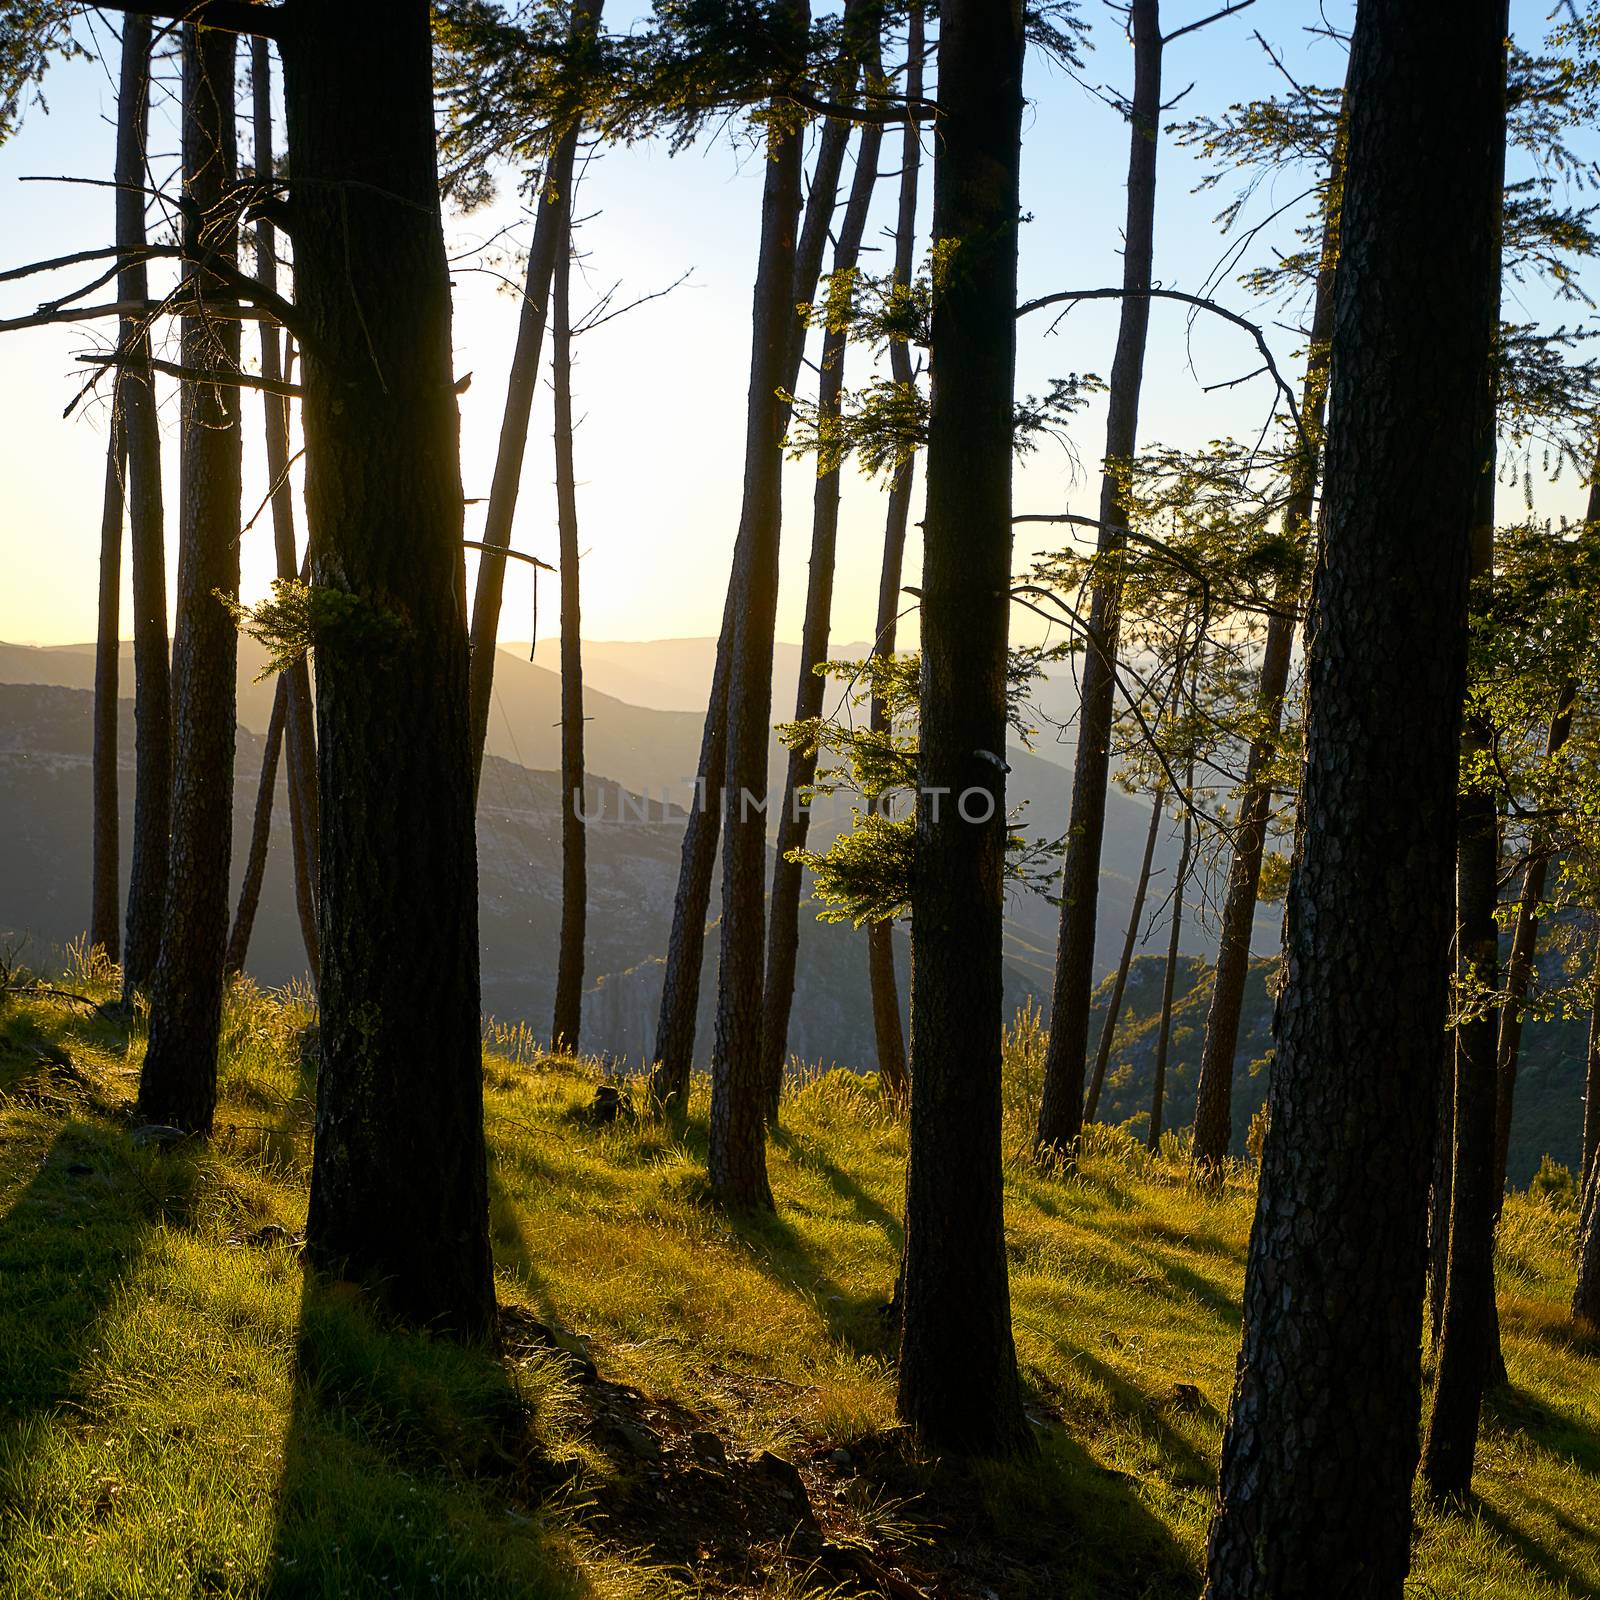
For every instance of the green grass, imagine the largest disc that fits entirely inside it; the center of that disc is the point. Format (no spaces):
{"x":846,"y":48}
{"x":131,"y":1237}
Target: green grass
{"x":184,"y":1413}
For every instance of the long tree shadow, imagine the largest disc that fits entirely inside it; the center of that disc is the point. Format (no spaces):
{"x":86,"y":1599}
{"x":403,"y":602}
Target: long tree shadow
{"x":1555,"y":1430}
{"x":1549,"y":1566}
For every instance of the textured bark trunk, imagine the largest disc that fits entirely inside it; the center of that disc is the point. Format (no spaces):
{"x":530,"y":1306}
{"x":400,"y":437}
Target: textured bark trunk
{"x":958,"y":1373}
{"x":1213,"y":1106}
{"x":1586,"y":1293}
{"x":736,"y":1155}
{"x":1314,"y":1495}
{"x":178,"y":1082}
{"x":152,"y":699}
{"x":1169,"y":978}
{"x":1524,"y":944}
{"x":550,"y":239}
{"x":794,"y":820}
{"x":1441,"y":1172}
{"x":399,"y":1194}
{"x":300,"y":739}
{"x":574,"y":859}
{"x":1061,"y":1104}
{"x":1591,"y":1075}
{"x":1108,"y":1029}
{"x":104,"y":885}
{"x":255,"y":867}
{"x":680,"y":988}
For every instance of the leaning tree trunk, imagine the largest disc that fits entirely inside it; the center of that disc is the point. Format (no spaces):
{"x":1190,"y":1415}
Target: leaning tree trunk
{"x":104,"y":887}
{"x":958,"y":1372}
{"x":1169,"y":978}
{"x":736,"y":1154}
{"x":152,"y":700}
{"x":574,"y":860}
{"x":399,"y":1194}
{"x":550,"y":239}
{"x":1061,"y":1104}
{"x":1108,"y":1029}
{"x":888,"y":1035}
{"x":1213,"y":1105}
{"x":678,"y":1017}
{"x":1314,"y":1495}
{"x":300,"y":737}
{"x":178,"y":1082}
{"x":255,"y":865}
{"x":794,"y":820}
{"x":1524,"y":943}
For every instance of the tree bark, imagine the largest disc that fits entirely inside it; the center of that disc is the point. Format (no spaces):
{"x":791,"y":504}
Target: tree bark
{"x":888,"y":1035}
{"x":152,"y":698}
{"x":1314,"y":1495}
{"x":1213,"y":1106}
{"x":255,"y":869}
{"x":300,"y":711}
{"x":958,"y":1374}
{"x":794,"y":821}
{"x":1164,"y":1037}
{"x":1061,"y":1104}
{"x":550,"y":239}
{"x":736,"y":1157}
{"x":399,"y":1194}
{"x":574,"y":860}
{"x":1591,"y":1074}
{"x":1108,"y":1029}
{"x":178,"y":1082}
{"x":680,"y":989}
{"x":1586,"y":1293}
{"x":104,"y":883}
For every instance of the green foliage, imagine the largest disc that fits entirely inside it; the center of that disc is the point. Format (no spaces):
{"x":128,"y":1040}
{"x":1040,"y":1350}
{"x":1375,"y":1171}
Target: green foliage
{"x":32,"y":34}
{"x":298,"y":617}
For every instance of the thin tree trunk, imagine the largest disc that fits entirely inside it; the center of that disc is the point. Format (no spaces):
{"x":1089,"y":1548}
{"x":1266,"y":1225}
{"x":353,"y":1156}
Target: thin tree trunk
{"x":1213,"y":1106}
{"x":1314,"y":1495}
{"x":1108,"y":1028}
{"x":244,"y":918}
{"x":152,"y":699}
{"x":678,"y":1017}
{"x":958,"y":1373}
{"x":1442,"y":1171}
{"x":105,"y":888}
{"x":300,"y":725}
{"x":1061,"y":1104}
{"x":574,"y":862}
{"x":399,"y":1192}
{"x":1169,"y":979}
{"x":736,"y":1156}
{"x":794,"y":821}
{"x":1586,"y":1293}
{"x":178,"y":1082}
{"x":550,"y":239}
{"x":888,"y":1035}
{"x":1591,"y":1074}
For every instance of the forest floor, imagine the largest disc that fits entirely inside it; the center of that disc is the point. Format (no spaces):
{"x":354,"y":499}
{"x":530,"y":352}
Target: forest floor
{"x":687,"y":1404}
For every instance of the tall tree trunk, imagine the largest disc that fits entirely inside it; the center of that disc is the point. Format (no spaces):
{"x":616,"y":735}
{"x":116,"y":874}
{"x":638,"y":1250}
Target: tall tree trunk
{"x":1524,"y":945}
{"x":794,"y":820}
{"x":1061,"y":1104}
{"x":888,"y":1035}
{"x":399,"y":1193}
{"x":736,"y":1157}
{"x":104,"y":885}
{"x":550,"y":239}
{"x":152,"y":699}
{"x":1591,"y":1074}
{"x":1108,"y":1029}
{"x":1213,"y":1106}
{"x":1441,"y":1170}
{"x":255,"y":867}
{"x":1586,"y":1292}
{"x":958,"y":1372}
{"x":680,"y":989}
{"x":178,"y":1083}
{"x":574,"y":862}
{"x":1169,"y":979}
{"x":1314,"y":1495}
{"x":300,"y":712}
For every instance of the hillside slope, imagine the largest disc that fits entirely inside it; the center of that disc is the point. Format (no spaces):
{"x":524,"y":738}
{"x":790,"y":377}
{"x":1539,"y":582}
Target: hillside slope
{"x":688,"y":1405}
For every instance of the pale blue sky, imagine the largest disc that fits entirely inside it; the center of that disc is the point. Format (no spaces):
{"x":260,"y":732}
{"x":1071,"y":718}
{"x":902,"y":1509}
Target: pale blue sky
{"x":662,"y":390}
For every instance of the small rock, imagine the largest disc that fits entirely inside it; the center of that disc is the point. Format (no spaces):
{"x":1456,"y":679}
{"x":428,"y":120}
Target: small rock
{"x":1184,"y":1397}
{"x":786,"y":1480}
{"x":157,"y":1133}
{"x":638,"y":1438}
{"x":842,"y":1459}
{"x":709,"y":1449}
{"x":274,"y":1233}
{"x":607,"y":1104}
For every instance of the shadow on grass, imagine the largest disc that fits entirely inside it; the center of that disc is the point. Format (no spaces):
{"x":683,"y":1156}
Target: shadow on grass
{"x":1535,"y":1555}
{"x":1557,"y":1431}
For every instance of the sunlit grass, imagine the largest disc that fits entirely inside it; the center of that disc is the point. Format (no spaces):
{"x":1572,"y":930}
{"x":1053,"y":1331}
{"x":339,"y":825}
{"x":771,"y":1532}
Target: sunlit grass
{"x":180,"y":1414}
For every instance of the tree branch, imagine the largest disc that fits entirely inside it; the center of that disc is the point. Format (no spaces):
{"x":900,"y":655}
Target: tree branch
{"x":131,"y":308}
{"x":1205,"y":22}
{"x":232,"y":16}
{"x":175,"y":369}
